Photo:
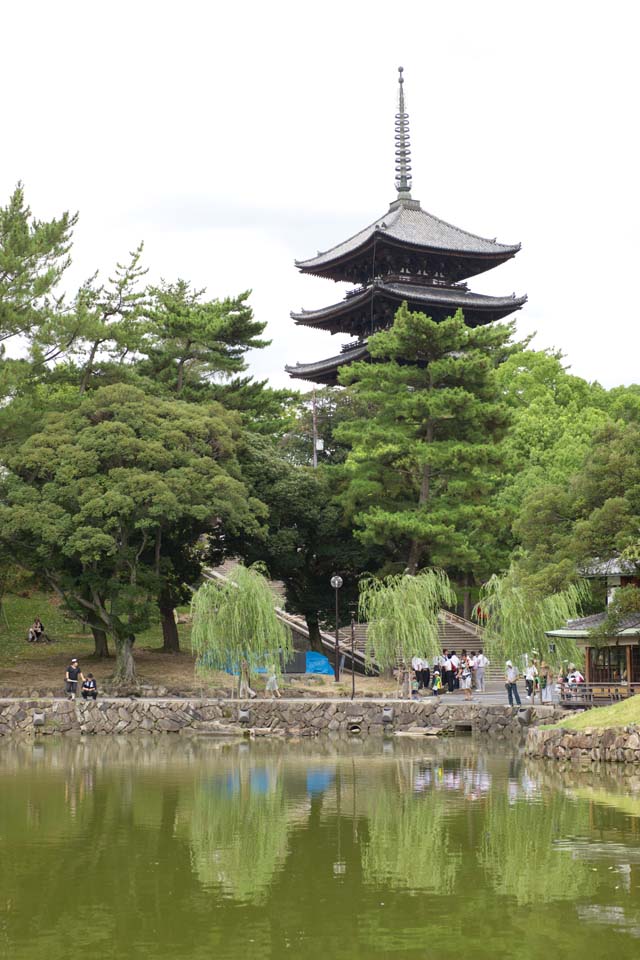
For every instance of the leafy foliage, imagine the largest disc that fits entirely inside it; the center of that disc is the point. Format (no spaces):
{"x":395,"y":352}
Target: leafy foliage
{"x":402,"y":612}
{"x":425,"y":456}
{"x":515,"y":619}
{"x":88,"y":500}
{"x":235,"y":621}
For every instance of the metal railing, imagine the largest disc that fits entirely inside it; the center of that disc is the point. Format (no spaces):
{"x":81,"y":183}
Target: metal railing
{"x":581,"y":695}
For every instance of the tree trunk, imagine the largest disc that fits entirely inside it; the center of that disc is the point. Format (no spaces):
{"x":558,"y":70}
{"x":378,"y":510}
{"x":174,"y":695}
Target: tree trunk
{"x":170,"y":635}
{"x":315,"y":640}
{"x":418,"y":547}
{"x":125,"y":672}
{"x":101,"y":648}
{"x":466,"y":597}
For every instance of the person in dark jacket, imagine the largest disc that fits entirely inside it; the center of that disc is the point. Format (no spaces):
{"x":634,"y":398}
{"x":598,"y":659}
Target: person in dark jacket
{"x":89,"y":688}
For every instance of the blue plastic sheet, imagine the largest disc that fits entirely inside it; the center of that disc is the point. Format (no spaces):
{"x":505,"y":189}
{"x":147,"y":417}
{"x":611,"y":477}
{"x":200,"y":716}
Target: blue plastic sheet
{"x":318,"y":663}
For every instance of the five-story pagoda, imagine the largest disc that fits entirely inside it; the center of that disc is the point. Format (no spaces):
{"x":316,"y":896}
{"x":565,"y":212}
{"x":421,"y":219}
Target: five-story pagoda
{"x":406,"y":255}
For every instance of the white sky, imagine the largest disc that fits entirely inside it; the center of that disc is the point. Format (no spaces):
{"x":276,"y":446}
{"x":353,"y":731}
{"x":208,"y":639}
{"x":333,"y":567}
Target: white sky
{"x":234,"y":137}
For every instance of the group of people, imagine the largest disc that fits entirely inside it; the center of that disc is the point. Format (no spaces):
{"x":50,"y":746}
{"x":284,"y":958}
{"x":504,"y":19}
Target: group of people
{"x":540,"y":680}
{"x":450,"y":672}
{"x":74,"y":676}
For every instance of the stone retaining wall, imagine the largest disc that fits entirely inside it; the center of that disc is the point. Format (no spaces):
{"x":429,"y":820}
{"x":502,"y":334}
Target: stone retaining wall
{"x":619,"y":744}
{"x":286,"y":717}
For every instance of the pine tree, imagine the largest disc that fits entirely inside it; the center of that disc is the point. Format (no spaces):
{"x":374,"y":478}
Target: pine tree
{"x":425,"y":453}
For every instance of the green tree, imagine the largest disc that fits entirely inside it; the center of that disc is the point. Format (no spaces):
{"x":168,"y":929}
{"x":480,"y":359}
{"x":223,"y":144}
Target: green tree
{"x":402,"y":613}
{"x":88,"y":501}
{"x":190,"y":340}
{"x":235,"y":620}
{"x":595,"y":514}
{"x":425,"y":452}
{"x":306,"y":537}
{"x":516,"y":617}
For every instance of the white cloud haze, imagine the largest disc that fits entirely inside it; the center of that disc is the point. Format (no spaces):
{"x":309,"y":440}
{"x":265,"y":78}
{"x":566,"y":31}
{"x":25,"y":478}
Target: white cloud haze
{"x":235,"y":138}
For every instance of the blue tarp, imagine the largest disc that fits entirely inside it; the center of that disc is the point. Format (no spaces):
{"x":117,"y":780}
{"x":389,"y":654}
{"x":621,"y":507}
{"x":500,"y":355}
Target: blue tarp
{"x":318,"y":663}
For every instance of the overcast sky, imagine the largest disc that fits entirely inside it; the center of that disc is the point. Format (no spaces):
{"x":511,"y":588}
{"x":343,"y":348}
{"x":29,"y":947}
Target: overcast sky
{"x":235,"y":137}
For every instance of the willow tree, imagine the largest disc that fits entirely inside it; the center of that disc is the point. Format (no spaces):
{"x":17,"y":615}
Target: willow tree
{"x":516,"y":619}
{"x":235,"y":620}
{"x":402,"y":613}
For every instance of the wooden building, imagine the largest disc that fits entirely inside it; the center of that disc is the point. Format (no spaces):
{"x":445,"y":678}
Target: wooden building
{"x":613,"y":660}
{"x":406,"y":255}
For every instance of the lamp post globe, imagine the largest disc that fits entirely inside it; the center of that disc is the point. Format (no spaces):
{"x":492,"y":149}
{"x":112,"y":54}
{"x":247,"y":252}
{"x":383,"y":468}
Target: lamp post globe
{"x":336,"y":583}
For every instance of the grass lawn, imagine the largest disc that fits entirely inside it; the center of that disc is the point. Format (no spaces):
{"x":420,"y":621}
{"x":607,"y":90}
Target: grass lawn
{"x":41,"y":666}
{"x":602,"y":718}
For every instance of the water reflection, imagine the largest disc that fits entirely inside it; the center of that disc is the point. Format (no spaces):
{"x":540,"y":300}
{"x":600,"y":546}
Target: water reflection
{"x":190,"y":847}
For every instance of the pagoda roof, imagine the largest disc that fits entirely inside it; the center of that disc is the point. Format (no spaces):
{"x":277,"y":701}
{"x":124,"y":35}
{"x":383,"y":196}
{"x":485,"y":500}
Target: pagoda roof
{"x":407,"y":225}
{"x":326,"y":371}
{"x":580,"y":629}
{"x":478,"y":308}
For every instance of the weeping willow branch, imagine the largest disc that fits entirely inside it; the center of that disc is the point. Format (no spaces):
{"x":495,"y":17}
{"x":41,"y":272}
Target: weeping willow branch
{"x":235,"y":621}
{"x":402,"y":613}
{"x":515,"y":619}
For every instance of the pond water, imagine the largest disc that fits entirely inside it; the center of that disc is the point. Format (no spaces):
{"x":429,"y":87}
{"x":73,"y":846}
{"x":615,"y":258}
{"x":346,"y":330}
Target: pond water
{"x":179,"y":848}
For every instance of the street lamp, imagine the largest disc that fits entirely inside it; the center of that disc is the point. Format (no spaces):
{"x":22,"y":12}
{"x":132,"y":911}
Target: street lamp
{"x":336,"y":583}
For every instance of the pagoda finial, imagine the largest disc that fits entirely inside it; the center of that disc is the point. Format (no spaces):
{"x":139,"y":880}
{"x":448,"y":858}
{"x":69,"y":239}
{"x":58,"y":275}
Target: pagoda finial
{"x":403,"y":149}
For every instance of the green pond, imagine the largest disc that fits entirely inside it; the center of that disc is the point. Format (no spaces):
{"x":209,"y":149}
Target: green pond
{"x":190,"y":848}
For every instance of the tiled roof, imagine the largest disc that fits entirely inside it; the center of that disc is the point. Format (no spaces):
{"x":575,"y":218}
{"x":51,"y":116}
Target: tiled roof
{"x":324,"y":366}
{"x":408,"y":223}
{"x":427,"y":294}
{"x":629,"y":626}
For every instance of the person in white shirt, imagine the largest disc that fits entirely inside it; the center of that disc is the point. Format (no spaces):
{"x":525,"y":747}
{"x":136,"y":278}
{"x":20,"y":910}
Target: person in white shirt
{"x":511,"y":682}
{"x":481,"y":663}
{"x":530,"y":674}
{"x":455,"y":666}
{"x":416,"y":666}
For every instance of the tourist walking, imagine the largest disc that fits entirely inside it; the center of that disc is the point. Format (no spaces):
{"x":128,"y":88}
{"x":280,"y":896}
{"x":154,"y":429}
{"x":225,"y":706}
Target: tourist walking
{"x":245,"y":688}
{"x":272,"y":684}
{"x":72,"y":676}
{"x":481,"y":663}
{"x":511,"y":683}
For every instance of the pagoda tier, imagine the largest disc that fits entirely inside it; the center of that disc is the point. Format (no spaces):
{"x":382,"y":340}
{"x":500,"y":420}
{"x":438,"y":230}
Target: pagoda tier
{"x":407,"y":256}
{"x":374,"y":306}
{"x":326,"y":371}
{"x":407,"y":239}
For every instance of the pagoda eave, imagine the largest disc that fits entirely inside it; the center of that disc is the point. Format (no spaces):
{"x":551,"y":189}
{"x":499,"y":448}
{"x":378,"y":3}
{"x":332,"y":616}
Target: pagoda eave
{"x":381,"y":250}
{"x":326,"y":371}
{"x":377,"y":305}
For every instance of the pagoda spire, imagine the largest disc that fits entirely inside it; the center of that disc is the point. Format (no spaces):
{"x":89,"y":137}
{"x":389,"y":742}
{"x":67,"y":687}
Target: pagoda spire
{"x":403,"y":149}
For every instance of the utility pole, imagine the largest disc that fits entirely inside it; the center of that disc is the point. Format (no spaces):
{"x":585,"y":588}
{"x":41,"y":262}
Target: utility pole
{"x":314,"y":420}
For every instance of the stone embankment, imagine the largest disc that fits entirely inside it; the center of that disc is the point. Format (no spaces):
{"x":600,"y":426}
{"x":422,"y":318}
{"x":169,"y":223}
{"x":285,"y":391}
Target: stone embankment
{"x":618,"y":744}
{"x":264,"y":717}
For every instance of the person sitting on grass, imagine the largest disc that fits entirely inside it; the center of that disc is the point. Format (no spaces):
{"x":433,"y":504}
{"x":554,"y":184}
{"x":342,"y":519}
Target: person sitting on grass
{"x":89,"y":688}
{"x":36,"y":631}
